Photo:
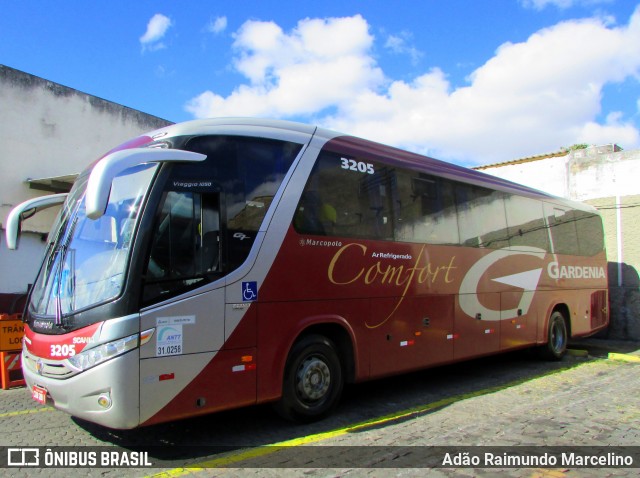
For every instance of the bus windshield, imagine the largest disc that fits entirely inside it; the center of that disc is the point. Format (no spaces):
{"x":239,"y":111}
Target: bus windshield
{"x":86,"y":259}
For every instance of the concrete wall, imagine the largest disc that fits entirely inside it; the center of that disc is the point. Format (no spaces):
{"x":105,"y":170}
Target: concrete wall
{"x":47,"y":130}
{"x":608,"y":179}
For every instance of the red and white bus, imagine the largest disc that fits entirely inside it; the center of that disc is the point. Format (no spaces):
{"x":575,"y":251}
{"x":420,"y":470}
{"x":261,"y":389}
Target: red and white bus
{"x":221,"y":263}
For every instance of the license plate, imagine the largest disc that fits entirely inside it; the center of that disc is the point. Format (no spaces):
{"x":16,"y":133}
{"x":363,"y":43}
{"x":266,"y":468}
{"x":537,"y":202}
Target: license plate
{"x":39,"y":394}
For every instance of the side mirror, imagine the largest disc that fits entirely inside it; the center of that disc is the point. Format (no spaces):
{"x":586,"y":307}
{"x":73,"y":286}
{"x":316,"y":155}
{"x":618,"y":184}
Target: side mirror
{"x":107,"y":168}
{"x":15,"y":217}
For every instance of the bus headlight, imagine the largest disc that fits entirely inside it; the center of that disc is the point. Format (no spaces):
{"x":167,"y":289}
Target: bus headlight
{"x":96,"y":355}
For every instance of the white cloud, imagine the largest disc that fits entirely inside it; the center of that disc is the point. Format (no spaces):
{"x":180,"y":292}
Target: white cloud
{"x":529,"y":98}
{"x":615,"y":127}
{"x":541,"y":4}
{"x":320,"y":64}
{"x":398,"y":44}
{"x":561,"y":4}
{"x":217,"y":25}
{"x":156,"y":30}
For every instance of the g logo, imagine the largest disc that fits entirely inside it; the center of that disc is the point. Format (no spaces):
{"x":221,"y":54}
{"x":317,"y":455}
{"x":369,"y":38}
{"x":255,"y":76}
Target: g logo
{"x":527,"y":281}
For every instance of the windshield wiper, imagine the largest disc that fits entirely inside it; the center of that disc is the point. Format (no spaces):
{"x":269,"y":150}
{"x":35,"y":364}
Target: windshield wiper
{"x":62,"y":252}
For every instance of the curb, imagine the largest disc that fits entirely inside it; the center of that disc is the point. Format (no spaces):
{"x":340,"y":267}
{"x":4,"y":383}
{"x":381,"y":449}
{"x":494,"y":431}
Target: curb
{"x":623,"y":357}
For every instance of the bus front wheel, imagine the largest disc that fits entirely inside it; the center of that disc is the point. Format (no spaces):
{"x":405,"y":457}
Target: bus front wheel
{"x":557,"y":338}
{"x":313,"y":380}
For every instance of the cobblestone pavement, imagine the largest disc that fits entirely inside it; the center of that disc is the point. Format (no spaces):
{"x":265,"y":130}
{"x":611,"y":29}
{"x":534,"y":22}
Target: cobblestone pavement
{"x":509,"y":400}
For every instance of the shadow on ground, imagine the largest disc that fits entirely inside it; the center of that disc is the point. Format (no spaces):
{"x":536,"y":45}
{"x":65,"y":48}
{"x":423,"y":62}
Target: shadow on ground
{"x":211,"y":436}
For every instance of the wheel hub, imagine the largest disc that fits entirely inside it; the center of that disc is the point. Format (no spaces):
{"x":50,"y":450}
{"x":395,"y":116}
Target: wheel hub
{"x":314,"y":379}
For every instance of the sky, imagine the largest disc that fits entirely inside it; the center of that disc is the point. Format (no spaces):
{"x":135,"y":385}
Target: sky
{"x":471,"y":82}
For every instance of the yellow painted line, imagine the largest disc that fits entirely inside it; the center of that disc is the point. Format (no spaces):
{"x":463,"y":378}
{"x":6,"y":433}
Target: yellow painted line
{"x":26,"y":412}
{"x":623,"y":357}
{"x":242,"y":455}
{"x":578,"y":352}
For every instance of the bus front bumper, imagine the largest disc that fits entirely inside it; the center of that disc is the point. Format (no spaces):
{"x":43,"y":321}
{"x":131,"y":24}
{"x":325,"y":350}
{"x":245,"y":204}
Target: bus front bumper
{"x":107,"y":394}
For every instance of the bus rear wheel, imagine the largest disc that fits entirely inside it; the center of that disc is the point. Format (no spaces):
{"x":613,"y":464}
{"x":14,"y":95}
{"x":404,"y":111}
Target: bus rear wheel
{"x":313,"y":380}
{"x":557,"y":338}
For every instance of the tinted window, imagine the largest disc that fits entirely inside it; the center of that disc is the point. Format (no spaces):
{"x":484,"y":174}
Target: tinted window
{"x":248,"y":170}
{"x":210,"y":211}
{"x":347,"y":197}
{"x":248,"y":173}
{"x":355,"y":197}
{"x":573,"y":231}
{"x":426,"y":210}
{"x":590,"y":233}
{"x":186,"y":250}
{"x":525,"y":218}
{"x":481,"y":217}
{"x":562,"y":224}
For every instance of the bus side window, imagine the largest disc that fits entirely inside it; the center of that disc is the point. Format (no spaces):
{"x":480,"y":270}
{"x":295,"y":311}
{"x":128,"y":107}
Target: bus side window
{"x":375,"y":199}
{"x":426,"y":210}
{"x":209,"y":231}
{"x":313,"y":216}
{"x":562,"y":225}
{"x":525,"y":219}
{"x":185,"y":251}
{"x":348,"y":198}
{"x":590,"y":233}
{"x":482,"y":220}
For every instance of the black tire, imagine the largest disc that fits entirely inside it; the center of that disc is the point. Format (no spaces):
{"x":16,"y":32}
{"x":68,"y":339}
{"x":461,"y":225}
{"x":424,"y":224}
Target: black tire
{"x":313,"y":380}
{"x":557,"y":338}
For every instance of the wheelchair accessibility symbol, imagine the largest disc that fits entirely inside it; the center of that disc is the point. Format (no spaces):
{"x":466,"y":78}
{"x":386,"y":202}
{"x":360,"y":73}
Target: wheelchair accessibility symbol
{"x":249,"y":291}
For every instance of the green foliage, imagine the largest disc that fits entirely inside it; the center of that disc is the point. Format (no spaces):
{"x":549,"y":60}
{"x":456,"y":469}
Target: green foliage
{"x":576,"y":146}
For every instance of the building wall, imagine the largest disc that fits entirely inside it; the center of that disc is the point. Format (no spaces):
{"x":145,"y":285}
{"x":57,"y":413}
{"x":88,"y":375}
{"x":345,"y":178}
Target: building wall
{"x":607,"y":178}
{"x":48,"y":130}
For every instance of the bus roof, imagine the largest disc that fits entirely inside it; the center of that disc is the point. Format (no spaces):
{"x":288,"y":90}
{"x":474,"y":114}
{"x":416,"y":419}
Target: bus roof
{"x":357,"y":147}
{"x":231,"y":126}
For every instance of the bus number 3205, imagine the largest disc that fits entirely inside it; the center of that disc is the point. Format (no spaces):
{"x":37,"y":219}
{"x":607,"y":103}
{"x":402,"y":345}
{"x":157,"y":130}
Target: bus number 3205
{"x":64,"y":350}
{"x":358,"y":166}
